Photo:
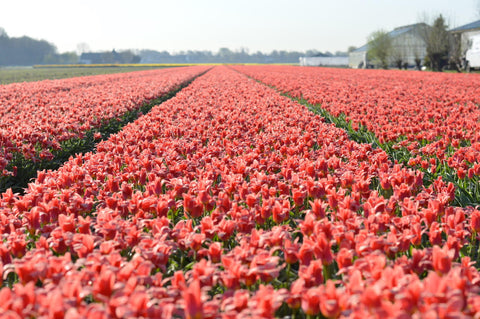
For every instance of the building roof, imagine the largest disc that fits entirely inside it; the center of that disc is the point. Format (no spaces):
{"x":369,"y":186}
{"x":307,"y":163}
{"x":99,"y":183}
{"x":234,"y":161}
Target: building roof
{"x":394,"y":33}
{"x":469,"y":26}
{"x":362,"y":48}
{"x":401,"y":30}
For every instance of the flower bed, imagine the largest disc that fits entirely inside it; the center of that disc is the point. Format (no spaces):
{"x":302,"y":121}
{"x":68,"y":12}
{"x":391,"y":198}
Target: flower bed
{"x":37,"y":117}
{"x":231,"y":200}
{"x":429,"y":121}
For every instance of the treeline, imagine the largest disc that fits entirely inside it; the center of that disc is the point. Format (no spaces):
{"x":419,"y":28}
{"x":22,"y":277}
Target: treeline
{"x":225,"y":55}
{"x":113,"y":56}
{"x":24,"y":51}
{"x":27,"y":51}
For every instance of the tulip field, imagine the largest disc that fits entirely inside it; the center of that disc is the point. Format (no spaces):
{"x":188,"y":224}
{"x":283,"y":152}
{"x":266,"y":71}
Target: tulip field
{"x":39,"y":119}
{"x":429,"y":121}
{"x":42,"y":72}
{"x":36,"y":117}
{"x":254,"y":192}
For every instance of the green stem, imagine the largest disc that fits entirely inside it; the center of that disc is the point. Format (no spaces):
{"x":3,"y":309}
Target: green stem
{"x":475,"y":246}
{"x":327,"y":272}
{"x":288,"y":273}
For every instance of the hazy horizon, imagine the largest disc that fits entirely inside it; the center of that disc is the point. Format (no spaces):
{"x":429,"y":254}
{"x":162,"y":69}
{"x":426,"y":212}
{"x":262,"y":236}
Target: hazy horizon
{"x":210,"y":25}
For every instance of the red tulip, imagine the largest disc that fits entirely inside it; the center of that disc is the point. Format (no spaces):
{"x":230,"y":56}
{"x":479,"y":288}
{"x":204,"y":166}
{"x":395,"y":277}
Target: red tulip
{"x":193,"y":301}
{"x":103,"y":285}
{"x":475,"y":221}
{"x":311,"y":301}
{"x":442,"y":259}
{"x":329,"y":302}
{"x":215,"y":252}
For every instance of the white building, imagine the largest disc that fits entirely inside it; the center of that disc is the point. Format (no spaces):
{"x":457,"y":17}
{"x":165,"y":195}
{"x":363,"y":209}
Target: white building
{"x":324,"y":61}
{"x":464,"y":35}
{"x":408,"y":46}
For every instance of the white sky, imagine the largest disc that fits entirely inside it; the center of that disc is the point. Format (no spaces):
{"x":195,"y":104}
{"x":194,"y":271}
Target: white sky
{"x":259,"y":25}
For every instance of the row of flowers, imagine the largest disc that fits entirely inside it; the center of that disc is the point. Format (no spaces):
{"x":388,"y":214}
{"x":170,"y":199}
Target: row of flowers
{"x":432,"y":117}
{"x":230,"y":200}
{"x":36,"y":117}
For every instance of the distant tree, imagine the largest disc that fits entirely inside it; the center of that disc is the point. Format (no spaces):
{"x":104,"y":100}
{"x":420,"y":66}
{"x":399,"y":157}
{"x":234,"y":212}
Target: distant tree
{"x":128,"y":56}
{"x":225,"y":55}
{"x":109,"y":57}
{"x":242,"y":54}
{"x":258,"y":57}
{"x":312,"y":52}
{"x":24,"y":51}
{"x":3,"y":33}
{"x":398,"y":56}
{"x":351,"y":48}
{"x":379,"y":48}
{"x":136,"y":59}
{"x":418,"y":60}
{"x":63,"y":58}
{"x":438,"y":44}
{"x":68,"y":58}
{"x":456,"y":52}
{"x":282,"y":55}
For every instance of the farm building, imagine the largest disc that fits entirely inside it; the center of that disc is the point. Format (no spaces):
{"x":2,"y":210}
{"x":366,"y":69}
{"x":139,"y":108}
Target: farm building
{"x":324,"y":61}
{"x":357,"y":59}
{"x":408,"y":46}
{"x":464,"y":34}
{"x":100,"y":57}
